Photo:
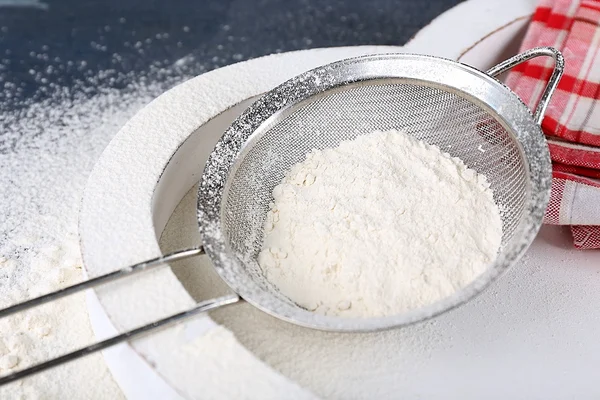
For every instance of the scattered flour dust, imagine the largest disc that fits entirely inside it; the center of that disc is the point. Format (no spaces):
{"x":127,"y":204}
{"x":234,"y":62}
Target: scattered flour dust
{"x":47,"y":150}
{"x":379,"y":225}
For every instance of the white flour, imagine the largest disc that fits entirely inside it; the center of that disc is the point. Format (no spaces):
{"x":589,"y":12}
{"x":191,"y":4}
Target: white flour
{"x":46,"y":153}
{"x":379,"y":225}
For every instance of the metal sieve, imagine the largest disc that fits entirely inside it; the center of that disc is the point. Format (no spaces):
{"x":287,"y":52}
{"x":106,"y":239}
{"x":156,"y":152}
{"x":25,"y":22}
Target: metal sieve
{"x":465,"y":112}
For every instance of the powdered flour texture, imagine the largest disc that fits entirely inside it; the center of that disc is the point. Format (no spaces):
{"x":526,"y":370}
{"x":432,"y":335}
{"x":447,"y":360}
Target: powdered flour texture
{"x":379,"y":225}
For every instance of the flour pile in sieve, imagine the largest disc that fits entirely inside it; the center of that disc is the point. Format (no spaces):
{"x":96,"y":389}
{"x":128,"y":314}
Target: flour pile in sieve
{"x":379,"y":225}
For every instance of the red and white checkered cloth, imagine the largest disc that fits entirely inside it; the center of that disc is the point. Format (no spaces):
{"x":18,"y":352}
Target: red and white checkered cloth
{"x":572,"y":120}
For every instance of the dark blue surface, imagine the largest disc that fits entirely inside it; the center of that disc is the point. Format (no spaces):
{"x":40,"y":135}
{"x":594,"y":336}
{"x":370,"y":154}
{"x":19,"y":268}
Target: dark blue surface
{"x":79,"y":38}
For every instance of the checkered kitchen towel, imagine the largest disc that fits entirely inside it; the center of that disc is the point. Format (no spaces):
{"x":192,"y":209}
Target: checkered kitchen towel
{"x":572,"y":120}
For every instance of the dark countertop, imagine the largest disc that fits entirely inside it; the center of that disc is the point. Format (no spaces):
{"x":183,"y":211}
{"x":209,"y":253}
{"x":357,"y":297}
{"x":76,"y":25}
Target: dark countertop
{"x":49,"y":44}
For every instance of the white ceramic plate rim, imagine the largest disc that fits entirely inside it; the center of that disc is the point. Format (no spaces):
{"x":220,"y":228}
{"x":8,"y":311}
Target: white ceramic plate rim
{"x":129,"y":229}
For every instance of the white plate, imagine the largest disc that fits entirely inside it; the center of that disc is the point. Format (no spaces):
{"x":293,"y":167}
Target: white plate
{"x":140,"y":178}
{"x":480,"y":33}
{"x":529,"y":336}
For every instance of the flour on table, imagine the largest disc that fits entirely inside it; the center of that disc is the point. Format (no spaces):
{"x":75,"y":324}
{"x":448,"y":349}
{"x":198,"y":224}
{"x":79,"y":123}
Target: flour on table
{"x":379,"y":225}
{"x":47,"y":150}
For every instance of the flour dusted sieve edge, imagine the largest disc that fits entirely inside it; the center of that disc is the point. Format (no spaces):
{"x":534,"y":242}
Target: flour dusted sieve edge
{"x":354,"y":97}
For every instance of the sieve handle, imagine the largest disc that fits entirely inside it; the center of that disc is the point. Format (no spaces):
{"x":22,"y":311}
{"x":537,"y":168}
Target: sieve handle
{"x":102,"y":279}
{"x":559,"y":66}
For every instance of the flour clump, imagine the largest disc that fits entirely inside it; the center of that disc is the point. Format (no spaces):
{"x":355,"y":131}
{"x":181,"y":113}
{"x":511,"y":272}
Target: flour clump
{"x":379,"y":225}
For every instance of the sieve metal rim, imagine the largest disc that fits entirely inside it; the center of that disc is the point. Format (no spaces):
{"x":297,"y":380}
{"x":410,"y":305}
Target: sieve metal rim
{"x":489,"y":93}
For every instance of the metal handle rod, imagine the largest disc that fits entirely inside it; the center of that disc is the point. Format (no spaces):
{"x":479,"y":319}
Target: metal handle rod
{"x":170,"y":320}
{"x":559,"y":66}
{"x":102,"y":279}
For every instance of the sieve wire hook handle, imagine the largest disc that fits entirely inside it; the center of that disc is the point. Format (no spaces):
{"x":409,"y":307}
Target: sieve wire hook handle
{"x":134,"y":333}
{"x":559,"y":66}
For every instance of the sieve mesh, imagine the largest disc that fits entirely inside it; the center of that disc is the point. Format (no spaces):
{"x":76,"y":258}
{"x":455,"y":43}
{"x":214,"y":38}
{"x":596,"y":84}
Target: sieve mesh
{"x":452,"y":121}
